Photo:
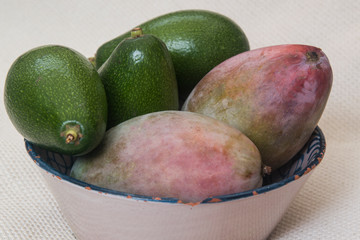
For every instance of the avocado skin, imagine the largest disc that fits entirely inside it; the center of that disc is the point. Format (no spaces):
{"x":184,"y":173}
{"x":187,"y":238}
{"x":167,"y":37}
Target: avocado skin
{"x":51,"y":87}
{"x":198,"y":40}
{"x":139,"y":78}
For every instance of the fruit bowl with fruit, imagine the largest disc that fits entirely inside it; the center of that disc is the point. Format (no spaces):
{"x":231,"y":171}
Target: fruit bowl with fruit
{"x":95,"y":212}
{"x":172,"y":131}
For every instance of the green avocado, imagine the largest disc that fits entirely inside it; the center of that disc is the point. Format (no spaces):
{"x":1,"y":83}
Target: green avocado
{"x":139,"y":78}
{"x":198,"y":40}
{"x":55,"y":98}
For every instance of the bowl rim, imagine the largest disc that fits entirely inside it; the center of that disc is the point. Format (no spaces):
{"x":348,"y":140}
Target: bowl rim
{"x":317,"y":158}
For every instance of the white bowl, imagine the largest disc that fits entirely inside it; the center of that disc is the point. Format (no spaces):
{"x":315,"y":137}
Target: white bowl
{"x":97,"y":213}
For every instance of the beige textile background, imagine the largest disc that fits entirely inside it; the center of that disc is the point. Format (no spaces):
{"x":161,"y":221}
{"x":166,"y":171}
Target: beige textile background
{"x":328,"y":207}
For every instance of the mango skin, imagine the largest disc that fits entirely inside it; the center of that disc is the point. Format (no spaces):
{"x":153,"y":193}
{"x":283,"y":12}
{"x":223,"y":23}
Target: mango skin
{"x":173,"y":154}
{"x":274,"y":95}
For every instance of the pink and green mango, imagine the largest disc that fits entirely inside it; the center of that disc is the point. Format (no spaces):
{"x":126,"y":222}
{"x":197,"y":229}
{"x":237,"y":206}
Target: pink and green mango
{"x":274,"y":95}
{"x":173,"y":154}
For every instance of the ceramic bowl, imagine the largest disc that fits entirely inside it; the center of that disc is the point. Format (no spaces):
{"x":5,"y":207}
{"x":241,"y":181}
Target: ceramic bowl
{"x":97,"y":213}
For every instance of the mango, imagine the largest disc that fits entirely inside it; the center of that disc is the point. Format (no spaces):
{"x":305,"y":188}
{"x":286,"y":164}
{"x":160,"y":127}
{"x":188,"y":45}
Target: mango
{"x":173,"y":154}
{"x":274,"y":95}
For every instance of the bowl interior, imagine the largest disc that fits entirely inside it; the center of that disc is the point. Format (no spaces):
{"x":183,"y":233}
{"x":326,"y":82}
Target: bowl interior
{"x":302,"y":163}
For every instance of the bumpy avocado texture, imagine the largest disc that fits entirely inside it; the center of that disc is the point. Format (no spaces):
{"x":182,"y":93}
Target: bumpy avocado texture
{"x":198,"y":40}
{"x":139,"y":78}
{"x":55,"y":99}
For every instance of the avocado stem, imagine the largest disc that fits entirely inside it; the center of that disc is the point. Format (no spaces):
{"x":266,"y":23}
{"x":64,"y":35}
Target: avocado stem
{"x":71,"y":136}
{"x":136,"y":32}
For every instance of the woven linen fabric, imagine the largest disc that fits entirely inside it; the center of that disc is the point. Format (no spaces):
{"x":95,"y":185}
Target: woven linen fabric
{"x":327,"y":207}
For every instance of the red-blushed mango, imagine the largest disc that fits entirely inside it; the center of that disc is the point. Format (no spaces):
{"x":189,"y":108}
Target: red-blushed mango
{"x":274,"y":95}
{"x":173,"y":154}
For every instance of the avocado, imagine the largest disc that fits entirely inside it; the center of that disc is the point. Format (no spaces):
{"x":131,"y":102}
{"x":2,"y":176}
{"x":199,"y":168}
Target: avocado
{"x":54,"y":97}
{"x":139,"y":78}
{"x":198,"y":40}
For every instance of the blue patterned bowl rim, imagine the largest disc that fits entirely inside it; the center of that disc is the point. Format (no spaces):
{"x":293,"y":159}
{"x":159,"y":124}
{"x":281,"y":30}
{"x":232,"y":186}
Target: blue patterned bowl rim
{"x":317,"y":137}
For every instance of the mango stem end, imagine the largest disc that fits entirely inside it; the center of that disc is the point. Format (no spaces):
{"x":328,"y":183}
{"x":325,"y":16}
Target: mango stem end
{"x":312,"y":56}
{"x":266,"y":170}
